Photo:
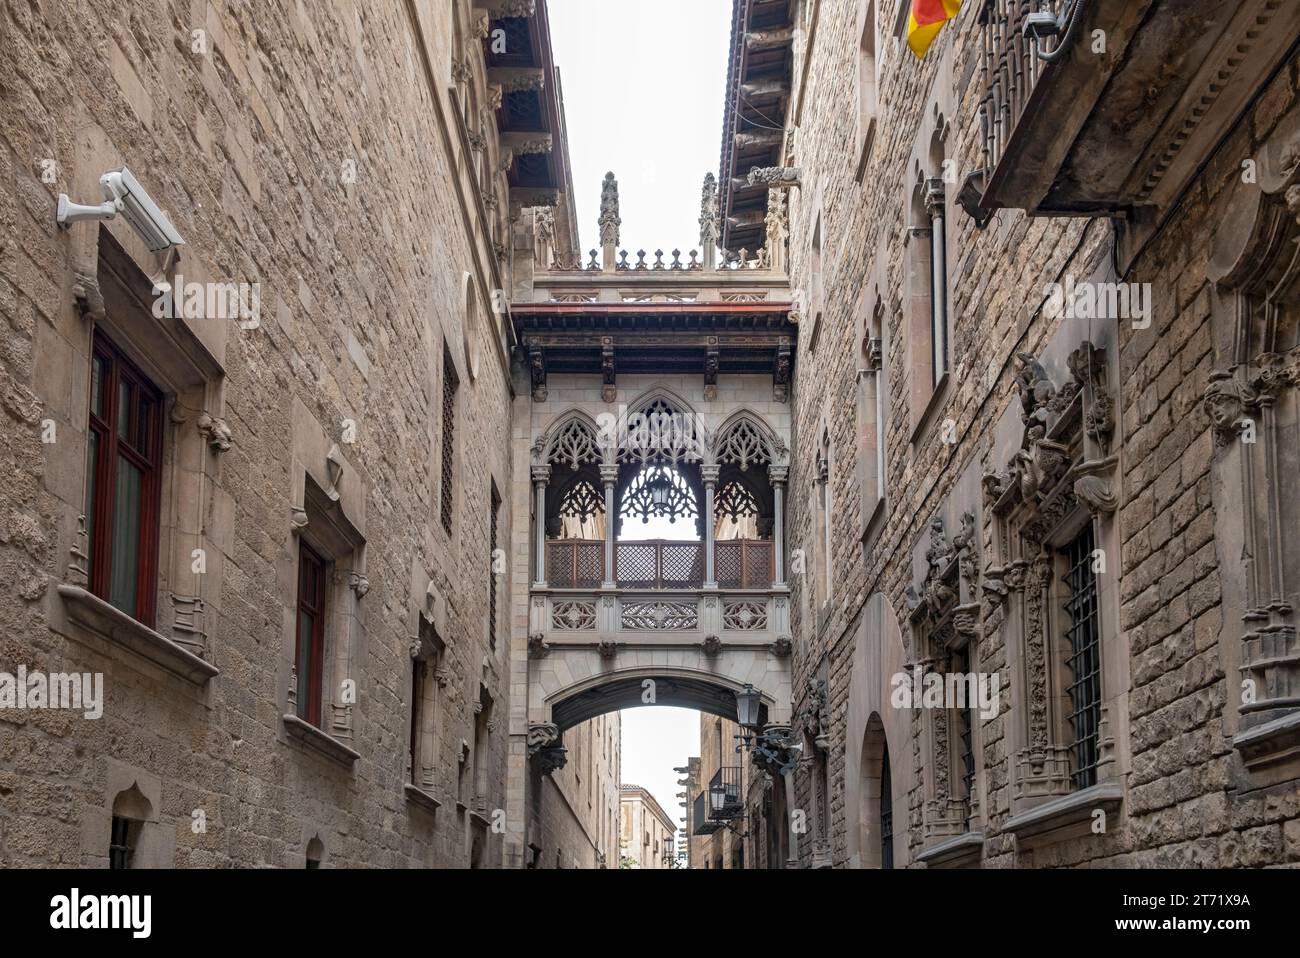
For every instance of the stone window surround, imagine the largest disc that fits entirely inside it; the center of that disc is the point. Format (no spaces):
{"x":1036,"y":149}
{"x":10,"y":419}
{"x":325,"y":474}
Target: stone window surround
{"x":926,"y":202}
{"x":429,"y":649}
{"x":328,"y":513}
{"x":945,"y":619}
{"x":872,"y":323}
{"x":1255,"y":380}
{"x":1026,"y":573}
{"x":155,"y":844}
{"x":867,"y":27}
{"x":180,"y":357}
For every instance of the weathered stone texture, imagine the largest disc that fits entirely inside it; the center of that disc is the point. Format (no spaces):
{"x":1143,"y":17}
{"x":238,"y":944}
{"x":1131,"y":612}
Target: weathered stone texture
{"x":245,"y":141}
{"x":1186,"y":788}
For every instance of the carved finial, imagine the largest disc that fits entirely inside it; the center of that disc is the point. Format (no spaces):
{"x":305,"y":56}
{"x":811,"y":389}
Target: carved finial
{"x":609,"y":221}
{"x":709,"y":210}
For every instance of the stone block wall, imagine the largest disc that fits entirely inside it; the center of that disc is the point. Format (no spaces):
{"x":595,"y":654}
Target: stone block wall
{"x":315,"y":151}
{"x":1187,"y":798}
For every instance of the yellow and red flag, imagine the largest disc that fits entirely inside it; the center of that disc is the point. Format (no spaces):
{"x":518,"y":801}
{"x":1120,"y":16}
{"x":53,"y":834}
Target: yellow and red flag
{"x":926,"y":20}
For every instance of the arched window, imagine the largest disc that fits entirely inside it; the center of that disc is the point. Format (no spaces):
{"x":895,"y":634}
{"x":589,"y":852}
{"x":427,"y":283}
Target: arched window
{"x":315,"y":853}
{"x":130,"y":812}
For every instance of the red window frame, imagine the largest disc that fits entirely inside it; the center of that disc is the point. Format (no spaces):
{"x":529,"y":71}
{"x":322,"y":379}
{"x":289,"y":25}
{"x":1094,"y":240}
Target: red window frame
{"x":311,"y":601}
{"x":141,"y":446}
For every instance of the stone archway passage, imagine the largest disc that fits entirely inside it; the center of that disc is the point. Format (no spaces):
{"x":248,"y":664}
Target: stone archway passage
{"x":630,"y":691}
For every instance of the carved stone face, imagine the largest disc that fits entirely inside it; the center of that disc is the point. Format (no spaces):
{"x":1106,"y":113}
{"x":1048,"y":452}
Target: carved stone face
{"x":1223,"y":401}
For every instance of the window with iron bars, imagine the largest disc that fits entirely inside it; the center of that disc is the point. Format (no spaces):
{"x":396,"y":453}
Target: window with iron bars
{"x":120,"y":847}
{"x":450,"y":383}
{"x":495,"y":505}
{"x":1084,"y":658}
{"x":964,"y":727}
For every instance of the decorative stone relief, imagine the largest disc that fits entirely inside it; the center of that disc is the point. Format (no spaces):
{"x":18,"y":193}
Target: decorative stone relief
{"x":813,"y":717}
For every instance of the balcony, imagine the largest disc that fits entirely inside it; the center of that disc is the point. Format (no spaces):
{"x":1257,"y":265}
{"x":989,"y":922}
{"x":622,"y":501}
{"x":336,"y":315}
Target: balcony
{"x":659,"y":564}
{"x":721,"y":802}
{"x":1116,"y":114}
{"x":703,"y":824}
{"x":725,"y":799}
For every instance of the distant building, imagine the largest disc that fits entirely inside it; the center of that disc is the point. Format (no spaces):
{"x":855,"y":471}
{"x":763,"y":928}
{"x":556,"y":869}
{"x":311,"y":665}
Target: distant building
{"x":648,"y":835}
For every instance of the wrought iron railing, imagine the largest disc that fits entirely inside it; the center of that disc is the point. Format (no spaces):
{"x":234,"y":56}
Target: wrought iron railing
{"x":1011,"y":69}
{"x":725,"y":800}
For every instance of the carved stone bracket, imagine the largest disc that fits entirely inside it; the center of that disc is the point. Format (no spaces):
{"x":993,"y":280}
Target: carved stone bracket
{"x":775,"y":177}
{"x":1092,"y":485}
{"x":215,"y":431}
{"x":537,"y":646}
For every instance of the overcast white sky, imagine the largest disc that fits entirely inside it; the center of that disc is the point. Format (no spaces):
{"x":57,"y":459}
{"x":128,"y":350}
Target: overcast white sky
{"x":643,"y":97}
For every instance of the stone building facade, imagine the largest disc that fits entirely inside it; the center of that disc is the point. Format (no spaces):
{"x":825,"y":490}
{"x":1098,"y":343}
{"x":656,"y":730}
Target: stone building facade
{"x":1052,"y":309}
{"x":648,"y":837}
{"x":319,"y":459}
{"x":294,"y":591}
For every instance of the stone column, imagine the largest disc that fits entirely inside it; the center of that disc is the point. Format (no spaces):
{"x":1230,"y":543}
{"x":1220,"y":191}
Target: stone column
{"x":541,"y":475}
{"x":609,"y":475}
{"x":934,"y":205}
{"x":710,"y":476}
{"x":777,"y":475}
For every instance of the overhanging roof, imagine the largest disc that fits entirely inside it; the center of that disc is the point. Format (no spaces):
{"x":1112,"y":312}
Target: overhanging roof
{"x":758,"y":88}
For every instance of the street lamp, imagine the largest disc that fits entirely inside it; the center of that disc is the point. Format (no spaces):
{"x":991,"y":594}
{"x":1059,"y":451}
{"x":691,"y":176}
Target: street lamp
{"x":747,"y":703}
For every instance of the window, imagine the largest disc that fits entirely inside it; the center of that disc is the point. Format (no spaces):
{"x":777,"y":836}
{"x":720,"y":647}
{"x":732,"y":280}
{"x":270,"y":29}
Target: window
{"x":963,"y":734}
{"x":123,"y":456}
{"x":934,"y":204}
{"x":310,"y":653}
{"x":493,"y":545}
{"x":822,"y":525}
{"x":872,"y":390}
{"x":128,"y":845}
{"x":315,"y":853}
{"x":1083,"y":658}
{"x":866,"y":81}
{"x":450,"y":383}
{"x":418,"y":672}
{"x":121,"y":844}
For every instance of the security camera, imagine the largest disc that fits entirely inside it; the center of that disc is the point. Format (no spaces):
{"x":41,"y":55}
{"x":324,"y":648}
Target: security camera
{"x":124,"y":194}
{"x":1043,"y":25}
